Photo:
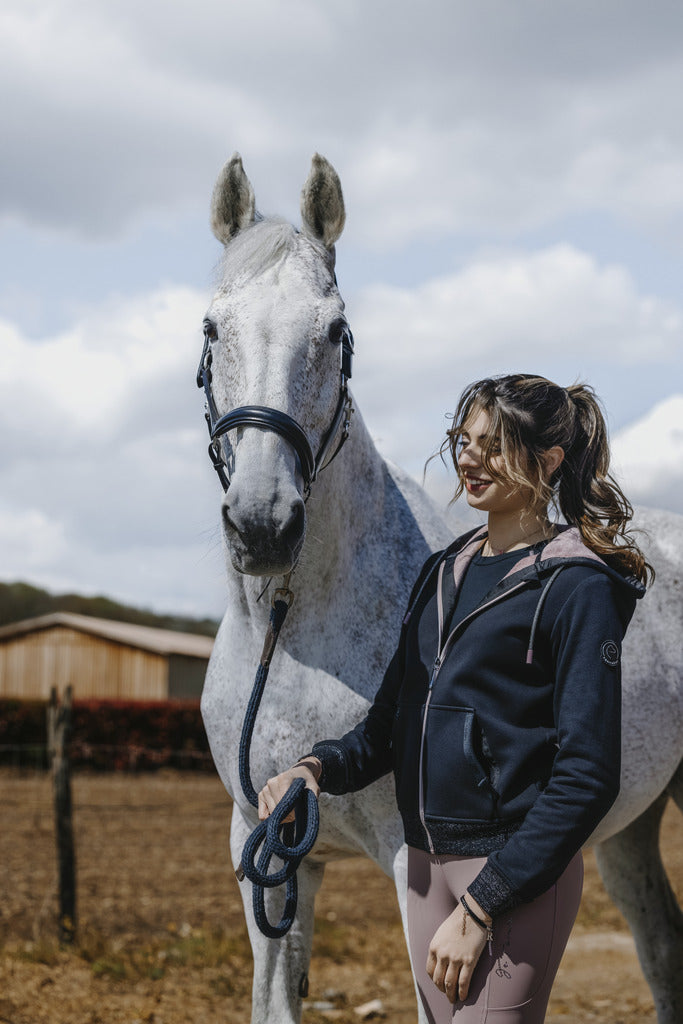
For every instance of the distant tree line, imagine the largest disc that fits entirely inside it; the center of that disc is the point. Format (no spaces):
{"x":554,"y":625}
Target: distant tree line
{"x":23,"y":601}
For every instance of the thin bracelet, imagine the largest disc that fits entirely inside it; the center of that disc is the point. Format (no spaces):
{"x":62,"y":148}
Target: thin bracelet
{"x":488,"y":928}
{"x":314,"y":767}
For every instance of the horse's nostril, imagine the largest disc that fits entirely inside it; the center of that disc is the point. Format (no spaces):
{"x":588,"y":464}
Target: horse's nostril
{"x":254,"y":531}
{"x":228,"y":522}
{"x":294,"y":526}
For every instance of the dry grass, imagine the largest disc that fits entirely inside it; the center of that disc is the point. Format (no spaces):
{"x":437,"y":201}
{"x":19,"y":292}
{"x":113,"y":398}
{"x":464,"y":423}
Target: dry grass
{"x":161,"y":937}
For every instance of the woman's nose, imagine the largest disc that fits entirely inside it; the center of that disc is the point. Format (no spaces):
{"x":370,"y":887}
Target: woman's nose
{"x":468,"y":456}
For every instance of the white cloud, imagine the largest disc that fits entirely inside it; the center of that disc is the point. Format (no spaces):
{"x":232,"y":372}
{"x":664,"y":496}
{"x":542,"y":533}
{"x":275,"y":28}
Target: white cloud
{"x":443,"y":117}
{"x":85,"y":375}
{"x":31,"y":542}
{"x":555,"y":310}
{"x":96,"y":133}
{"x":106,"y":482}
{"x":648,"y":456}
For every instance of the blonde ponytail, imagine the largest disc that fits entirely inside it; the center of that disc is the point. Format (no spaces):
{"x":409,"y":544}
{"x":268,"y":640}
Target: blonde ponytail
{"x":589,"y":497}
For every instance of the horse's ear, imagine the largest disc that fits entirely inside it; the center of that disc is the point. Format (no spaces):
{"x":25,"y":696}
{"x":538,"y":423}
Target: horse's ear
{"x":322,"y":203}
{"x":232,"y":203}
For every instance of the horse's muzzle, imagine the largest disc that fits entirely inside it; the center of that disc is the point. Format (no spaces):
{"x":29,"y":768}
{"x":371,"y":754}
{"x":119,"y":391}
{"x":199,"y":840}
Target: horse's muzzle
{"x":261,"y":546}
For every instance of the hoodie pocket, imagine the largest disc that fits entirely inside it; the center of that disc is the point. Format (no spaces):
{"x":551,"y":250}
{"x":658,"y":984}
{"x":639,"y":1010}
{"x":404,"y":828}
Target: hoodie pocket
{"x":456,"y":777}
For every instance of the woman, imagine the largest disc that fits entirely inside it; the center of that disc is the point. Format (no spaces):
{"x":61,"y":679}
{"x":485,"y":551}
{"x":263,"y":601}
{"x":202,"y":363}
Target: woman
{"x":500,"y":710}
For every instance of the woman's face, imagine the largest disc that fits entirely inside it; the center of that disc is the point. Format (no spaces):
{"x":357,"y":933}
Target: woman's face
{"x":488,"y":491}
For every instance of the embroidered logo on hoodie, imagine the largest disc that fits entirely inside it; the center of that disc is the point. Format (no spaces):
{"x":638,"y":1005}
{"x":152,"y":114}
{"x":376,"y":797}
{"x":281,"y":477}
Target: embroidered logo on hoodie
{"x":610,"y":653}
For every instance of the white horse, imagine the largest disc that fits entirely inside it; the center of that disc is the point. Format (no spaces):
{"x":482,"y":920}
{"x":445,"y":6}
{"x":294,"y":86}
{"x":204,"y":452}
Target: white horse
{"x":274,"y":329}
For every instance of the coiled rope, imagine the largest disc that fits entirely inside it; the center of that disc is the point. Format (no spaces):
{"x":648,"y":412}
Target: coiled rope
{"x":299,"y":836}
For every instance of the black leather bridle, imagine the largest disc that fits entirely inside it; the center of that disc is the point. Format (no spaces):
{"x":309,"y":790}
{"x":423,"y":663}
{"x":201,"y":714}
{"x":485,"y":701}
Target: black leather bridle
{"x":273,"y":419}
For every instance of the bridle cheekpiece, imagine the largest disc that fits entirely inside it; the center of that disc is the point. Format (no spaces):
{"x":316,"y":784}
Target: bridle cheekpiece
{"x":274,"y":419}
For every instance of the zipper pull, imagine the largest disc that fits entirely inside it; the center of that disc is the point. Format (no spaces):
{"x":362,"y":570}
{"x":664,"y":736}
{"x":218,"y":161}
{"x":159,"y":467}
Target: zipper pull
{"x":435,"y":672}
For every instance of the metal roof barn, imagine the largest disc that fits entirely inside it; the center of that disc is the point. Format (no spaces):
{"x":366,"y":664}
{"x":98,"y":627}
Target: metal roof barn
{"x":101,"y":659}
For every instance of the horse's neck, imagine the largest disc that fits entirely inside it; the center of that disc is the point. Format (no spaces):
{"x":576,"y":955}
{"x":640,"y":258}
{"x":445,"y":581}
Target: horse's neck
{"x":346,"y":505}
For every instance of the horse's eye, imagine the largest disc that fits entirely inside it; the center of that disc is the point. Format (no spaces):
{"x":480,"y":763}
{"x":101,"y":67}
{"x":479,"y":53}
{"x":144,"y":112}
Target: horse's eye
{"x":210,"y":330}
{"x":337,"y":330}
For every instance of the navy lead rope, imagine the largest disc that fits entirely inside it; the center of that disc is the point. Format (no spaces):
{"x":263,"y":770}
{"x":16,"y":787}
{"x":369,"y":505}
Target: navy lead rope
{"x":297,"y":837}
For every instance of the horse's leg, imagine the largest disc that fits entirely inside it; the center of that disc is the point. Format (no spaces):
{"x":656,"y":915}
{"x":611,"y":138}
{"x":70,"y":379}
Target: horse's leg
{"x":280,"y":965}
{"x":631,"y":867}
{"x":400,"y":872}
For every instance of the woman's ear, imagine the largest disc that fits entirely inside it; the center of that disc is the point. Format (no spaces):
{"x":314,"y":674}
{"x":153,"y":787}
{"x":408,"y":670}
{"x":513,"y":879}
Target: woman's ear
{"x":552,"y":460}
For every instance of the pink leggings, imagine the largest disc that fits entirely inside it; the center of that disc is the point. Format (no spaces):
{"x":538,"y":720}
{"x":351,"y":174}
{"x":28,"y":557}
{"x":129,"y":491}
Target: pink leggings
{"x":512,"y":986}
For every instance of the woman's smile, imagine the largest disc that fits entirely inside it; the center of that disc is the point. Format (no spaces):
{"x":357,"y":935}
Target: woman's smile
{"x":476,"y":484}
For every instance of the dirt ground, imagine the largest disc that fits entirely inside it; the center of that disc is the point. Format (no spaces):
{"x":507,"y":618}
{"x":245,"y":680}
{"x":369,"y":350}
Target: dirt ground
{"x":161,"y":938}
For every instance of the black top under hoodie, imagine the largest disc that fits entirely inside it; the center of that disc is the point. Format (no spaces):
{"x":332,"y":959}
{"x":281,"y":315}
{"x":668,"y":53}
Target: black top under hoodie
{"x":503,"y":730}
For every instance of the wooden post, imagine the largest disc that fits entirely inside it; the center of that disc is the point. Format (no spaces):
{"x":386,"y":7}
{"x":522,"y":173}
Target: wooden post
{"x":58,"y":733}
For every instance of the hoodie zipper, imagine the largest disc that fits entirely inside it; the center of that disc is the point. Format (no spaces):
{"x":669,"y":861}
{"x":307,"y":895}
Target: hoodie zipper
{"x":435,"y":672}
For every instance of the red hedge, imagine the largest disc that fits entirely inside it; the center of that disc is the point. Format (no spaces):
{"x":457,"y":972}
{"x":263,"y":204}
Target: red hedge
{"x":111,"y":735}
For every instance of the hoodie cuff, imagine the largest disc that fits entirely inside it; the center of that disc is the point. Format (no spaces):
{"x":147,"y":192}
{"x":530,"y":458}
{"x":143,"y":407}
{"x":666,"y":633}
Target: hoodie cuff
{"x":492,"y":892}
{"x":333,"y":776}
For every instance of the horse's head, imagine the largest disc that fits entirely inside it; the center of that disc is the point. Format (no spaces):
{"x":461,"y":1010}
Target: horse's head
{"x":274,"y":335}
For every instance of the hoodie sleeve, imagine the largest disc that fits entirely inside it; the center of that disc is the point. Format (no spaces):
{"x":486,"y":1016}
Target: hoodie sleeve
{"x":364,"y":754}
{"x":586,"y":642}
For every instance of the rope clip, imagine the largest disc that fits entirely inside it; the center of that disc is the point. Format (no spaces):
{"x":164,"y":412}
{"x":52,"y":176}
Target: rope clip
{"x":283,"y":594}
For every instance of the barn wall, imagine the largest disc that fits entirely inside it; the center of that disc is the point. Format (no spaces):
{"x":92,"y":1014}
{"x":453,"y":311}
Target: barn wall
{"x":31,"y":664}
{"x":185,"y":676}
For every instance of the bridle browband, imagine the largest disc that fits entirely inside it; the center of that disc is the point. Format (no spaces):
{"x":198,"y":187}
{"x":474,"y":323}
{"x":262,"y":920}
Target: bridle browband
{"x":273,"y":419}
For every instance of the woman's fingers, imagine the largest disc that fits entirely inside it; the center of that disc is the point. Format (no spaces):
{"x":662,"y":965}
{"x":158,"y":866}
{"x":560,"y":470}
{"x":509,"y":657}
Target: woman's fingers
{"x":463,"y":982}
{"x":439,"y":975}
{"x":445,"y":978}
{"x":275,"y":789}
{"x":452,"y":977}
{"x":437,"y":968}
{"x":270,"y":796}
{"x":263,"y":811}
{"x":450,"y":985}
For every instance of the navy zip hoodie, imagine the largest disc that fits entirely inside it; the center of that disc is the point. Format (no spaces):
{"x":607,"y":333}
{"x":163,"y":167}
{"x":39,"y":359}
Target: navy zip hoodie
{"x":503,"y":731}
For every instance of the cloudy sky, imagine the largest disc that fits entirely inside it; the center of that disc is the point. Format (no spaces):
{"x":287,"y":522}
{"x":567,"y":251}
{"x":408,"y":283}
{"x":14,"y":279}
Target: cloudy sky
{"x":513,"y":176}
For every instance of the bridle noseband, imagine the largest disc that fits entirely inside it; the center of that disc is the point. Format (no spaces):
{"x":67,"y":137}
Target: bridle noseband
{"x":273,"y":419}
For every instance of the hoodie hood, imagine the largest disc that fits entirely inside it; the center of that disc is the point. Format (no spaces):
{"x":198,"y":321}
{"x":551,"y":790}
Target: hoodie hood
{"x":542,"y":564}
{"x":566,"y":548}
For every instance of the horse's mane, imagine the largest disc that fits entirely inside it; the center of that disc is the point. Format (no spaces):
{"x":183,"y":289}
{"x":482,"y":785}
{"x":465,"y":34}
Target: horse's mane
{"x":263,"y":244}
{"x":256,"y":248}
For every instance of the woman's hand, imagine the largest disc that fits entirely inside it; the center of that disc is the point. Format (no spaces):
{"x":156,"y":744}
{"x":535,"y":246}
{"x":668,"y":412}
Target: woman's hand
{"x":309,"y":769}
{"x":455,"y":950}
